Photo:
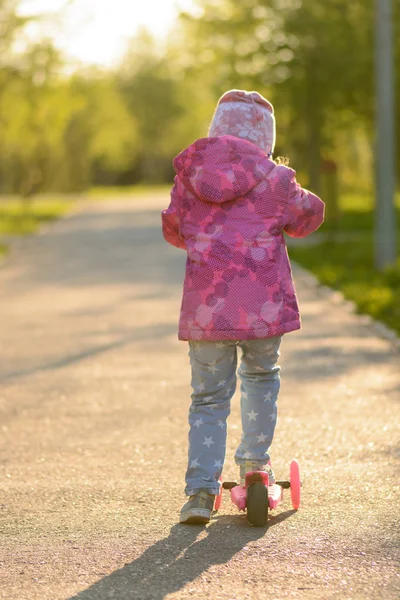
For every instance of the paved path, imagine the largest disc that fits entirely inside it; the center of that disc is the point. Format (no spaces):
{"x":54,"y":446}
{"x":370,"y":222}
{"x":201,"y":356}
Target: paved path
{"x":94,"y":388}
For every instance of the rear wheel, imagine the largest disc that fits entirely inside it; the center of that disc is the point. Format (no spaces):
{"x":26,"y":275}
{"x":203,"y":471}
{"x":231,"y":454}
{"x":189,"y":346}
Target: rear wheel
{"x":257,"y":504}
{"x":218,"y":499}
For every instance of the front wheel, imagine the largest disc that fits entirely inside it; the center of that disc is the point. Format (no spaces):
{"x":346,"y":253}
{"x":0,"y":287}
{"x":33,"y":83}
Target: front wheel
{"x":257,"y":504}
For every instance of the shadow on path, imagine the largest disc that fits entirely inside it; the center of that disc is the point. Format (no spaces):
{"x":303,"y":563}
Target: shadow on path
{"x":143,"y":334}
{"x":179,"y":559}
{"x":93,"y":250}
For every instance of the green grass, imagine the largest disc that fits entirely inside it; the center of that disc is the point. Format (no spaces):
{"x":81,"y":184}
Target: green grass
{"x":357,"y":213}
{"x":19,"y":218}
{"x":348,"y":263}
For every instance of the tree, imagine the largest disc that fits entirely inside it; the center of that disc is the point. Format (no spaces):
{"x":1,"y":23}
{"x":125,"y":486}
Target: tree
{"x":152,"y":97}
{"x":57,"y":131}
{"x":313,"y":59}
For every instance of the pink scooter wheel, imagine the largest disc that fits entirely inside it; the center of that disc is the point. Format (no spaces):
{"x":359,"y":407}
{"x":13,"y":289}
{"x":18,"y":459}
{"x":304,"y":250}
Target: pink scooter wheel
{"x":218,"y":501}
{"x":295,"y":484}
{"x":218,"y":498}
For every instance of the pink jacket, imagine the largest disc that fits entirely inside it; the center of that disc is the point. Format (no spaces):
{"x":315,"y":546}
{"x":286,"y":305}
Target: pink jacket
{"x":230,"y":205}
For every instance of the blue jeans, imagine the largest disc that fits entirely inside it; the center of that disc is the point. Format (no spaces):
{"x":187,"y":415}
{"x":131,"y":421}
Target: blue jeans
{"x":214,"y":383}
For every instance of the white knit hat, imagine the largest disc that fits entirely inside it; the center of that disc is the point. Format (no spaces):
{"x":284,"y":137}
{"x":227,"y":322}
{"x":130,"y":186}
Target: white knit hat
{"x":246,"y":115}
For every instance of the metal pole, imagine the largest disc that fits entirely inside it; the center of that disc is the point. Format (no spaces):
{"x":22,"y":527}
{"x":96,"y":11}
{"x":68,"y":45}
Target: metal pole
{"x":385,"y":233}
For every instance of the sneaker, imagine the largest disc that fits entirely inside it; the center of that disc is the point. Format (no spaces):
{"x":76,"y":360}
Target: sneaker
{"x":197,"y":509}
{"x":254,"y":466}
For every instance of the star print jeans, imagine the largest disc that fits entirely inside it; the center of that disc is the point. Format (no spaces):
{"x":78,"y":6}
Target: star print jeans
{"x":214,"y":383}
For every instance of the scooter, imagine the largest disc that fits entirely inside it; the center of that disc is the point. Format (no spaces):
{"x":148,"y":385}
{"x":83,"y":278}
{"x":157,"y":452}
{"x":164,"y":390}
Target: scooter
{"x":257,"y":496}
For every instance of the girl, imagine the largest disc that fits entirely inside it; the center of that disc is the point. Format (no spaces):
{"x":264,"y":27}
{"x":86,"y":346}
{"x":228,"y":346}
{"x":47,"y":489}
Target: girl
{"x":230,"y":205}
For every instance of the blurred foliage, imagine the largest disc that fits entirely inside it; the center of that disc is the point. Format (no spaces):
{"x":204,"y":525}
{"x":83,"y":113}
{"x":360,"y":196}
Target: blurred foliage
{"x":57,"y":131}
{"x":64,"y":129}
{"x":314,"y":60}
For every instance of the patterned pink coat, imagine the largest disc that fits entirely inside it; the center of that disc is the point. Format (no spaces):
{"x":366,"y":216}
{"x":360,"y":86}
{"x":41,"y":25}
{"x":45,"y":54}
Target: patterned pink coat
{"x":229,"y":208}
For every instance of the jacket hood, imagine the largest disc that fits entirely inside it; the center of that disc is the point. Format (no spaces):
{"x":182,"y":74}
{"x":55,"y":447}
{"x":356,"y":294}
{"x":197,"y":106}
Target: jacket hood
{"x":220,"y":169}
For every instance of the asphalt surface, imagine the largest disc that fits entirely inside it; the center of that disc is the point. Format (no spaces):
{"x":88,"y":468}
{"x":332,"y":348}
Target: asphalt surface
{"x":94,"y":392}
